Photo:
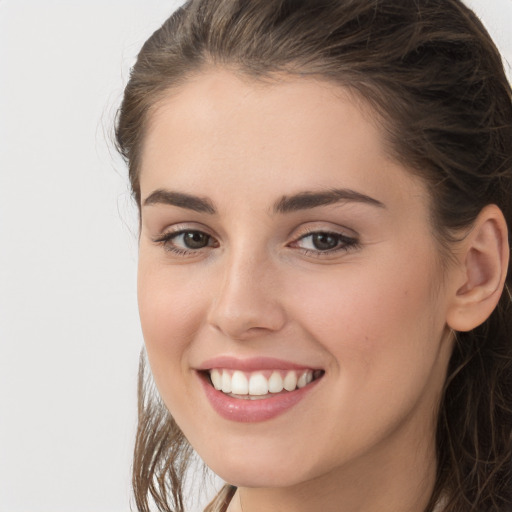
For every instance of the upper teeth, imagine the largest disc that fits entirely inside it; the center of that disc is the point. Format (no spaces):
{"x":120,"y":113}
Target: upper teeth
{"x":257,"y":383}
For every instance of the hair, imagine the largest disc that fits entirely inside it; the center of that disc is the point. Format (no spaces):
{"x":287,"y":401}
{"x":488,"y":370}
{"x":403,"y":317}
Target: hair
{"x":436,"y":84}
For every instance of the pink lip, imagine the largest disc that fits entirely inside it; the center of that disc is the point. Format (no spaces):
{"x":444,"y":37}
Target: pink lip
{"x":251,"y":365}
{"x":252,"y":411}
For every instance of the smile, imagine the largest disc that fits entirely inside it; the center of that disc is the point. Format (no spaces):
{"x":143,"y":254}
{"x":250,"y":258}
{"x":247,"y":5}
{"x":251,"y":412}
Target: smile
{"x":256,"y":390}
{"x":257,"y":385}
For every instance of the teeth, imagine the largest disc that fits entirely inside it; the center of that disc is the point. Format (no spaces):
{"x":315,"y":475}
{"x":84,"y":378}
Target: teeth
{"x":275,"y":383}
{"x":216,"y":377}
{"x":260,"y":383}
{"x":239,"y":384}
{"x":290,"y":381}
{"x":226,"y":382}
{"x":302,"y":381}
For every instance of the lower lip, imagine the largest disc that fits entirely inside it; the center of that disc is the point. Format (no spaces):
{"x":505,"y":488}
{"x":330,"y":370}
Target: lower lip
{"x":252,"y":411}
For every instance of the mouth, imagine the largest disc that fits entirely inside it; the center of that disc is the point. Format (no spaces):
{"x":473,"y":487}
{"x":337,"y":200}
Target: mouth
{"x":256,"y":389}
{"x":260,"y":384}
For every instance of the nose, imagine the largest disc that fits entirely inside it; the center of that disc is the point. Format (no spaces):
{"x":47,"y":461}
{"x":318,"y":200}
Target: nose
{"x":247,"y":303}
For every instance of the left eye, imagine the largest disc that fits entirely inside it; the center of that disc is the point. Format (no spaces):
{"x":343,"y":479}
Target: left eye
{"x":324,"y":241}
{"x":185,"y":241}
{"x":192,"y":239}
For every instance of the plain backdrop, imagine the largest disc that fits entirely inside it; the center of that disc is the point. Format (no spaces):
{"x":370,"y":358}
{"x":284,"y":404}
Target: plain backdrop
{"x":69,"y":331}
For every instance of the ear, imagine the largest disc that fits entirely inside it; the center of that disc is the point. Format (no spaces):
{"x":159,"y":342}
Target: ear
{"x":483,"y":264}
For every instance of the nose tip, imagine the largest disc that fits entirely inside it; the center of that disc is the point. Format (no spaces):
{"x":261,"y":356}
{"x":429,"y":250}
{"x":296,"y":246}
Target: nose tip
{"x":241,"y":325}
{"x":247,"y":304}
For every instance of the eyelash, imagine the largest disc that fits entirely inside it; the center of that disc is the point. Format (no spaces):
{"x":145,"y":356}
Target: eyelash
{"x":344,"y":243}
{"x":166,"y":240}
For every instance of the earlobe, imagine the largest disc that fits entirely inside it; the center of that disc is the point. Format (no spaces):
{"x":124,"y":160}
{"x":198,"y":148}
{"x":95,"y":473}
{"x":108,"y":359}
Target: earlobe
{"x":483,"y":262}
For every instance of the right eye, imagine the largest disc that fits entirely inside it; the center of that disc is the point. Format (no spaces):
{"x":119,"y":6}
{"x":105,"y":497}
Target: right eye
{"x":186,"y":241}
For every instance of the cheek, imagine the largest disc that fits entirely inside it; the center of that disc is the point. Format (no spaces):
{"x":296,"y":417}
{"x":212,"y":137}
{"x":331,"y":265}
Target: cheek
{"x":374,"y":320}
{"x":383,"y":331}
{"x":170,"y":314}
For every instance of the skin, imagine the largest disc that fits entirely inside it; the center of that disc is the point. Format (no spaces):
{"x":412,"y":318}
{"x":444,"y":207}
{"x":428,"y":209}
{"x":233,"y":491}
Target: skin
{"x":373,"y":315}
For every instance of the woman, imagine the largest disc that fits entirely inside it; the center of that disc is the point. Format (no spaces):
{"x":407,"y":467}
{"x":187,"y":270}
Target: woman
{"x":324,"y":191}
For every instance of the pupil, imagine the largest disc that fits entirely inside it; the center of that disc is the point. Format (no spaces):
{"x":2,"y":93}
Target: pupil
{"x":195,"y":240}
{"x":325,"y":241}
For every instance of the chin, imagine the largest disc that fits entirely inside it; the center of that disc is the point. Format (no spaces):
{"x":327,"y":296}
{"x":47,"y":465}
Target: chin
{"x":259,"y":467}
{"x":253,"y":476}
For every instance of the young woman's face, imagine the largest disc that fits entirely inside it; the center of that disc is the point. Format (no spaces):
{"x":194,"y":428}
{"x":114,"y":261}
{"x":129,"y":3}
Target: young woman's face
{"x":280,"y":242}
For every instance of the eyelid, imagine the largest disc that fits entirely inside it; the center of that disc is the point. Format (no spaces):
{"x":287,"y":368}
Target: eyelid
{"x":180,"y":227}
{"x":167,"y":235}
{"x":348,"y":241}
{"x":323,"y":227}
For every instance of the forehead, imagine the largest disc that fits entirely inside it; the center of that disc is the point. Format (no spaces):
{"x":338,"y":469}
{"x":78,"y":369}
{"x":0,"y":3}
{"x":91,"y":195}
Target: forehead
{"x":220,"y":128}
{"x":219,"y":103}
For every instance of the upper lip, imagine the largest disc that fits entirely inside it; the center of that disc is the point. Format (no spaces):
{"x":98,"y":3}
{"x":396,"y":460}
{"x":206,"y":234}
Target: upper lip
{"x":252,"y":364}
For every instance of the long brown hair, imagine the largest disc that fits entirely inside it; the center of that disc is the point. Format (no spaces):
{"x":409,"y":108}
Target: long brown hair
{"x":437,"y":86}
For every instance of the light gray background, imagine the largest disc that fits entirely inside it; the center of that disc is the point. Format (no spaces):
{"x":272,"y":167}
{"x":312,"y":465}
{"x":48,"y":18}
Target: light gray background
{"x":69,"y":333}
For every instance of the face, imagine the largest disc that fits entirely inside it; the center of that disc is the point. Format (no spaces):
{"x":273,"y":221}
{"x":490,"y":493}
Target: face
{"x":281,"y":246}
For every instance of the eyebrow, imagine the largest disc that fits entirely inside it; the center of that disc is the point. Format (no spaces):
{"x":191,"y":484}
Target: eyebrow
{"x":307,"y":200}
{"x":286,"y":204}
{"x":190,"y":202}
